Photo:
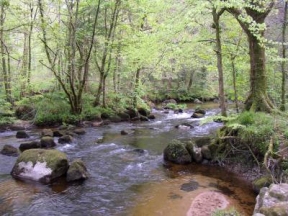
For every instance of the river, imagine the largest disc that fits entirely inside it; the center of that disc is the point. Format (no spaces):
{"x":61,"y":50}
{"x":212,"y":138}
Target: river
{"x":127,"y":173}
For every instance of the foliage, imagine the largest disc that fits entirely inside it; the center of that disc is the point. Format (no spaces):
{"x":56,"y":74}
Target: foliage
{"x":173,"y":106}
{"x":229,"y":212}
{"x":254,"y":129}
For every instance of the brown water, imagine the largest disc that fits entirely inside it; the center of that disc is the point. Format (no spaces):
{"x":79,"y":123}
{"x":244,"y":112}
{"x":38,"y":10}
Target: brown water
{"x":124,"y":180}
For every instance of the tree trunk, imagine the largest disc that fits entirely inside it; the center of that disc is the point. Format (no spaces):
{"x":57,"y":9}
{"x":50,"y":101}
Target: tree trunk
{"x":6,"y":74}
{"x":216,"y":19}
{"x":23,"y":76}
{"x":136,"y":88}
{"x":190,"y":81}
{"x":99,"y":91}
{"x":234,"y":84}
{"x":283,"y":63}
{"x":258,"y":99}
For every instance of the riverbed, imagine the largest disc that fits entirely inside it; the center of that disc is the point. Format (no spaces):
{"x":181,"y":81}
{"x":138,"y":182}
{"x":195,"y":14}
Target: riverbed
{"x":127,"y":173}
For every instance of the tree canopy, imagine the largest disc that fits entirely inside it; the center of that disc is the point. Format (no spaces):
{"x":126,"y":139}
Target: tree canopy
{"x":130,"y":52}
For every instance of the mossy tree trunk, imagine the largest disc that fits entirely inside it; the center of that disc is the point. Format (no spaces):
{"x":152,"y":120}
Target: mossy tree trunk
{"x":258,"y":99}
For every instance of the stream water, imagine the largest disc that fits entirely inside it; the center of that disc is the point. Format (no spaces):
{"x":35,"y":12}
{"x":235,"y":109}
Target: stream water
{"x":127,"y":175}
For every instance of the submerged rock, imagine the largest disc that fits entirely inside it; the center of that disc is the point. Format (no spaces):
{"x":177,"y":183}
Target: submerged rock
{"x":190,"y":186}
{"x":206,"y":203}
{"x":40,"y":165}
{"x":9,"y":151}
{"x":177,"y":153}
{"x":272,"y":201}
{"x":77,"y":171}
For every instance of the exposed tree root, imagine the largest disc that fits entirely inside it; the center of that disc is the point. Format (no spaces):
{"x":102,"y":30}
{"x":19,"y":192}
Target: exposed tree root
{"x":260,"y":103}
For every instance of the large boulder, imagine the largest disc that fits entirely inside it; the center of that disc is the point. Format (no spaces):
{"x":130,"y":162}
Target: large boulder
{"x":40,"y":165}
{"x":77,"y":171}
{"x":9,"y":151}
{"x":176,"y":152}
{"x":272,"y":201}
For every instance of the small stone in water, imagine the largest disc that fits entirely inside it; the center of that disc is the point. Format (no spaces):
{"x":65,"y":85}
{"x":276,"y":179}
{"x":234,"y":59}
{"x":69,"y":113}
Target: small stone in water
{"x":191,"y":186}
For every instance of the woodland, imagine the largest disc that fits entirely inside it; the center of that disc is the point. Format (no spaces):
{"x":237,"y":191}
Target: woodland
{"x":75,"y":59}
{"x":68,"y":61}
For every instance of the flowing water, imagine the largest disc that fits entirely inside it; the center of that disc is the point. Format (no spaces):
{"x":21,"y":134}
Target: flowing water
{"x":127,"y":174}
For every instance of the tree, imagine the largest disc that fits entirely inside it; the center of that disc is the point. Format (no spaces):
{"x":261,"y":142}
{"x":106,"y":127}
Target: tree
{"x":283,"y":63}
{"x":216,"y":21}
{"x":5,"y":55}
{"x":252,"y":20}
{"x":103,"y":53}
{"x":78,"y":52}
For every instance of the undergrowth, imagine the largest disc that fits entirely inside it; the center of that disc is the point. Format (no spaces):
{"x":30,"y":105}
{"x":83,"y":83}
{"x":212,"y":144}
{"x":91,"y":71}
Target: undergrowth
{"x":249,"y":134}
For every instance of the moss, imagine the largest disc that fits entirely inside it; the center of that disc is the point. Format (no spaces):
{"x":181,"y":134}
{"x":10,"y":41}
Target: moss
{"x":226,"y":212}
{"x":51,"y":157}
{"x":261,"y":182}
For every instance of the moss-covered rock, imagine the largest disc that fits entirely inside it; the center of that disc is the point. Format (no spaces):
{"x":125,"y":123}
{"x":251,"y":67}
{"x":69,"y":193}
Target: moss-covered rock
{"x":77,"y":171}
{"x":59,"y":133}
{"x":47,"y":142}
{"x":9,"y":151}
{"x":176,"y":152}
{"x":22,"y":134}
{"x":79,"y":131}
{"x":272,"y":201}
{"x":206,"y":153}
{"x":47,"y":132}
{"x":194,"y":151}
{"x":144,"y":112}
{"x":202,"y":141}
{"x":197,"y":115}
{"x":199,"y":110}
{"x":263,"y":181}
{"x":40,"y":165}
